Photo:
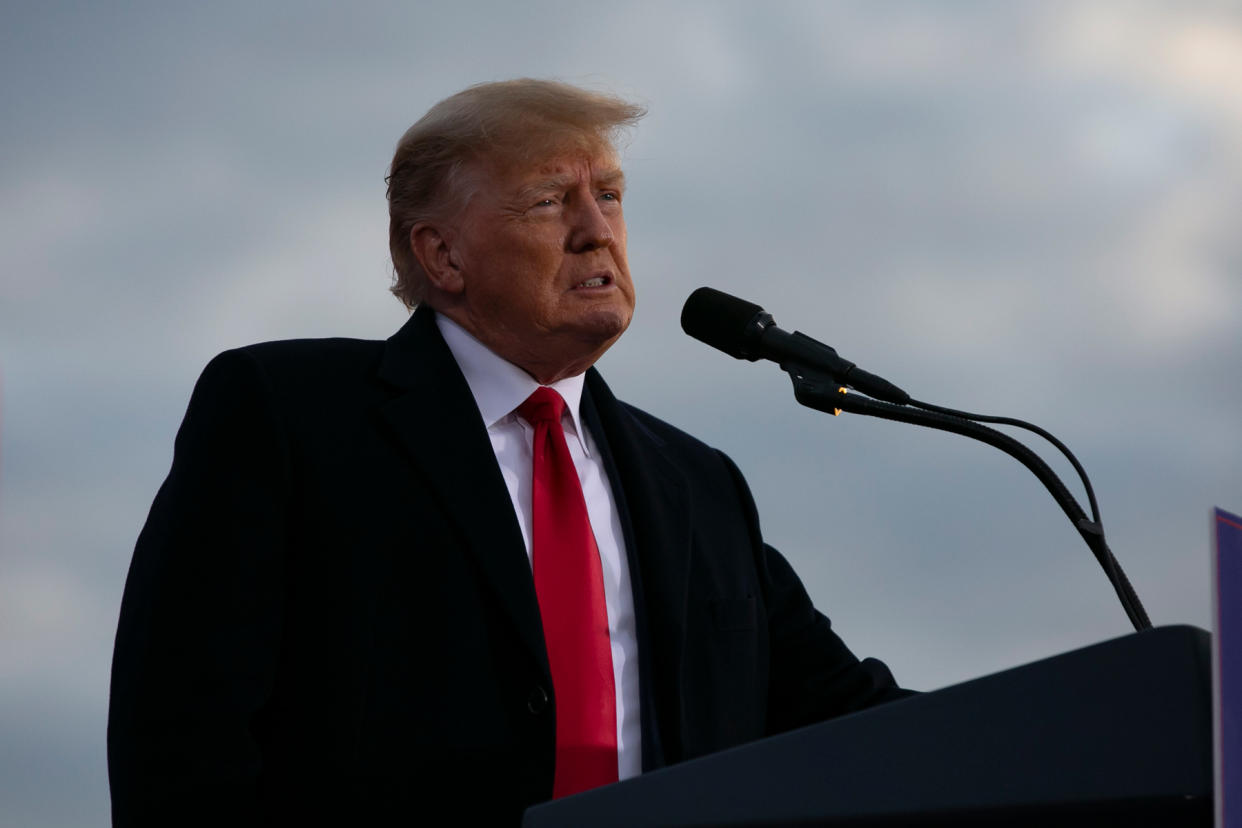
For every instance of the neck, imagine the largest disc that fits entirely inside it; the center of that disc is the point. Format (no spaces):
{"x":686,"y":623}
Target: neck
{"x":555,"y":358}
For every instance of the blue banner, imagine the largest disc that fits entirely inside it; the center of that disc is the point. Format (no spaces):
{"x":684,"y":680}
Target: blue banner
{"x":1228,"y":641}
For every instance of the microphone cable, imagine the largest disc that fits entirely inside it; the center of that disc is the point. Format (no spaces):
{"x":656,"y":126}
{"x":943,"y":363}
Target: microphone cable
{"x":1013,"y":421}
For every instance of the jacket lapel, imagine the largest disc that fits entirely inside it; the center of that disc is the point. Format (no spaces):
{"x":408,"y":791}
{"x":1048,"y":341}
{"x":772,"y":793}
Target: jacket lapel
{"x":658,"y":503}
{"x":437,"y":422}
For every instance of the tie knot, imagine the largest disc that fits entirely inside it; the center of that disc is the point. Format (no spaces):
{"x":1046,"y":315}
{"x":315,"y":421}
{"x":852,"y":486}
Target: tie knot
{"x":545,"y":405}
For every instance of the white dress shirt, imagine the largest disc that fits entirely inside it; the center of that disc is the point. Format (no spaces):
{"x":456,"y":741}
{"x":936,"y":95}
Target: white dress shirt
{"x":499,"y":387}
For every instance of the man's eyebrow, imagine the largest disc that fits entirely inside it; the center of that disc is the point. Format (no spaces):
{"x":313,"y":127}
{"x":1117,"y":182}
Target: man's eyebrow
{"x":612,"y":179}
{"x":545,"y":185}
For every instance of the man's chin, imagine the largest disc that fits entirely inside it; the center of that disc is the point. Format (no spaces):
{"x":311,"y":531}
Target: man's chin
{"x":604,"y":327}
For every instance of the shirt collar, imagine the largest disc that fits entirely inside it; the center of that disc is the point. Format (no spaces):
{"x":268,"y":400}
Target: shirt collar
{"x":498,"y":385}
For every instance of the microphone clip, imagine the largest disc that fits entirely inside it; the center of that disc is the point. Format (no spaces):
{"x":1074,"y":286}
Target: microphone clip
{"x":814,"y":388}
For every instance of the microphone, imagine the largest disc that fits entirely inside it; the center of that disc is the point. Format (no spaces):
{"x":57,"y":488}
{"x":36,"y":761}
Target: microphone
{"x":746,"y":331}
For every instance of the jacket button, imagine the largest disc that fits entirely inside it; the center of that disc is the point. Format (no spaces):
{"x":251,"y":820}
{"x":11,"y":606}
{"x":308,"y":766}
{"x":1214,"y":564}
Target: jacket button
{"x":537,"y":701}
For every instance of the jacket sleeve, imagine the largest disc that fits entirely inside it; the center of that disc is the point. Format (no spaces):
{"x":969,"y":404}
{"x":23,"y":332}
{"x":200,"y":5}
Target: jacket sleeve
{"x":812,"y":674}
{"x":200,"y":625}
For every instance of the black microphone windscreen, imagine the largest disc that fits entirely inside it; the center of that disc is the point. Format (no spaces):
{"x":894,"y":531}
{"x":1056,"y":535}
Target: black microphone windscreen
{"x":720,"y":320}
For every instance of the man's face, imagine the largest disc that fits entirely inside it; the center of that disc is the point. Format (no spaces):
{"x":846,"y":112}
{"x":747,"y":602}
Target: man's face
{"x":541,"y":252}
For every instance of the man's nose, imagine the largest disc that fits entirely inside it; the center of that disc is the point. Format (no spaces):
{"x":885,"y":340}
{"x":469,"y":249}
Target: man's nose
{"x":590,"y":228}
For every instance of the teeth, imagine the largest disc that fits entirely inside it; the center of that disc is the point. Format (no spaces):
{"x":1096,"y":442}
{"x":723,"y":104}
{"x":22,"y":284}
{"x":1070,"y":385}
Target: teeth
{"x":598,"y":281}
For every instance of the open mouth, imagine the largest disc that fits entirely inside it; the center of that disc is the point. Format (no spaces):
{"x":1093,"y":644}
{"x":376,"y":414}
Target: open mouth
{"x":595,"y":281}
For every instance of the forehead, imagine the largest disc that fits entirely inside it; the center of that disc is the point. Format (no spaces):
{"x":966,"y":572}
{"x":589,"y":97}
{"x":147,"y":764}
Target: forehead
{"x":567,"y":166}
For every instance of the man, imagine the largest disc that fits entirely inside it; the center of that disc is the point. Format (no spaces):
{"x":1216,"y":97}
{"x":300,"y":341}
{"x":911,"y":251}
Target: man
{"x":380,"y":582}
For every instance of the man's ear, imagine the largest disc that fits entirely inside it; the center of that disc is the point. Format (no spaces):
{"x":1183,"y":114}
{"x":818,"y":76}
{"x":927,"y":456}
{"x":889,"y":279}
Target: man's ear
{"x":432,"y":247}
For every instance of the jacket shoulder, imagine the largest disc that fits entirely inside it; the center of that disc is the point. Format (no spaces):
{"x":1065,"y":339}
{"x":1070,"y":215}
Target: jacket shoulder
{"x":664,"y":431}
{"x":302,"y":355}
{"x":300,"y":361}
{"x":299,"y":374}
{"x":653,"y":431}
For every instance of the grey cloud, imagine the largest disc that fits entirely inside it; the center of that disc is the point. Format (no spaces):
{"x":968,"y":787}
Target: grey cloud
{"x":1024,"y":209}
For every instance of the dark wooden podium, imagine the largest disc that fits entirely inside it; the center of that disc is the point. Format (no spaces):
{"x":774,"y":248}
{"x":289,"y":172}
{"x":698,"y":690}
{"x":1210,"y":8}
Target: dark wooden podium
{"x":1117,"y":733}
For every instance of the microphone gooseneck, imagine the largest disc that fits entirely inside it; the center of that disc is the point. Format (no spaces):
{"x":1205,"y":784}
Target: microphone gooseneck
{"x":746,"y":331}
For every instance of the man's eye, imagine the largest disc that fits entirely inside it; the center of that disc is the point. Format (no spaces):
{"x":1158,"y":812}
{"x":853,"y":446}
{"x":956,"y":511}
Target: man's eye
{"x":610,"y":196}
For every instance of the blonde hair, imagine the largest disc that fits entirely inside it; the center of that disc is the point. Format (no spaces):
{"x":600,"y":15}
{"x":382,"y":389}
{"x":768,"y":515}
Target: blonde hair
{"x":507,"y":121}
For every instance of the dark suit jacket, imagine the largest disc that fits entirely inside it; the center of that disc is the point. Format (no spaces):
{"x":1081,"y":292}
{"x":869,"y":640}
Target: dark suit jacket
{"x":330,"y":616}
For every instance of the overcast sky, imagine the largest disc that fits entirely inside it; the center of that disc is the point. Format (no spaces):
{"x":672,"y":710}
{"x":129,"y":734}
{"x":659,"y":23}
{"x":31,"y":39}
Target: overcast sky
{"x":1027,"y":209}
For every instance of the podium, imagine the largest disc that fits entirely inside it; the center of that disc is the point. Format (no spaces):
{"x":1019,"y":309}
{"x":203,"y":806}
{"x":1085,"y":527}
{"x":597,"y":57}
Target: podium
{"x":1118,"y":733}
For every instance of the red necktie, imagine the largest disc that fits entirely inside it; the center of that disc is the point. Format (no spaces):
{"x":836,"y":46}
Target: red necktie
{"x":570,"y":587}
